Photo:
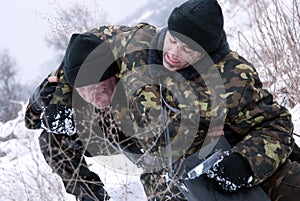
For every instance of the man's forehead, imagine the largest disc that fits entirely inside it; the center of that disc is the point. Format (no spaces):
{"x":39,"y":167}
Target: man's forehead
{"x":182,"y":43}
{"x":184,"y":40}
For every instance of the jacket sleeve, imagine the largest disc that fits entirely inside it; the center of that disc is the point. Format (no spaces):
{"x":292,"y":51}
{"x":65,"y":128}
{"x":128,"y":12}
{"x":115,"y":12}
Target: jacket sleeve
{"x":32,"y":119}
{"x":266,"y":127}
{"x":37,"y":103}
{"x":33,"y":109}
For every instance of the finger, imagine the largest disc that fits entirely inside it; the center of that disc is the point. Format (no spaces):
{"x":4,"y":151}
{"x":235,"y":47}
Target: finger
{"x":53,"y":79}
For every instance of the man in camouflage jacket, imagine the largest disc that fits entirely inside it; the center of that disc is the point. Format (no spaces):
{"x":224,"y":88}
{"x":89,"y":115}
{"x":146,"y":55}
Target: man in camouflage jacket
{"x":64,"y":115}
{"x":220,"y":94}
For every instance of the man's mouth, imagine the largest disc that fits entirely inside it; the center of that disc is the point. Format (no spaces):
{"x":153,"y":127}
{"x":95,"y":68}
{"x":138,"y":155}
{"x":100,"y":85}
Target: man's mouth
{"x":172,"y":62}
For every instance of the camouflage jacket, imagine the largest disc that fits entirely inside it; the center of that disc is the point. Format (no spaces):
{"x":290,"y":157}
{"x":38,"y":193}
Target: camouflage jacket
{"x":129,"y":46}
{"x":228,"y":97}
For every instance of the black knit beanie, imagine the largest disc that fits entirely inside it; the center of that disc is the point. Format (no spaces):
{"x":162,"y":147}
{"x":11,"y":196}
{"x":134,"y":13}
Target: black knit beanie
{"x":88,"y":60}
{"x":199,"y":20}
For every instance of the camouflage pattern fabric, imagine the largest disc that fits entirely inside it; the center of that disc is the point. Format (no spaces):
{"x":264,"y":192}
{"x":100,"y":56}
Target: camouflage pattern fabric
{"x":256,"y":126}
{"x":65,"y":155}
{"x":157,"y":188}
{"x":284,"y":184}
{"x":63,"y":92}
{"x":32,"y":119}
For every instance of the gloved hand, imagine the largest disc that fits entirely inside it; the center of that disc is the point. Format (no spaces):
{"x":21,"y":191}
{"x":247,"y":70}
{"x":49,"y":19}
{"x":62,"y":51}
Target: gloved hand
{"x":42,"y":96}
{"x":232,"y":172}
{"x":59,"y":119}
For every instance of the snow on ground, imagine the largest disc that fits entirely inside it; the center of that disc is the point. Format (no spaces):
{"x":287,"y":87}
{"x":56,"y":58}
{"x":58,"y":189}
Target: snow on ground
{"x":120,"y":177}
{"x":24,"y":174}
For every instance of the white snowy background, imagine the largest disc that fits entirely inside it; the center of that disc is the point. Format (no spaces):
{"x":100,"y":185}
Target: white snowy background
{"x":24,"y":174}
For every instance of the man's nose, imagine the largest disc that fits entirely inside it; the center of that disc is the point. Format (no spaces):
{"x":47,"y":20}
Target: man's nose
{"x":174,"y":51}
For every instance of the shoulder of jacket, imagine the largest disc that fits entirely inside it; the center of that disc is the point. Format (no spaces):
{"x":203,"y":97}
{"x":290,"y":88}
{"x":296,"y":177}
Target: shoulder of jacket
{"x":108,"y":31}
{"x":145,"y":25}
{"x":233,"y":64}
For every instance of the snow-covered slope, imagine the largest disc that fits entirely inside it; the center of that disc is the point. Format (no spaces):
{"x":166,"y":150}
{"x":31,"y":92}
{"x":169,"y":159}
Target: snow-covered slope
{"x":24,"y":174}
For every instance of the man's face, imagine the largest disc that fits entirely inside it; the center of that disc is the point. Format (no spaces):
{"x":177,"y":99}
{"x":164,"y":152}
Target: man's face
{"x":99,"y":94}
{"x":177,"y":55}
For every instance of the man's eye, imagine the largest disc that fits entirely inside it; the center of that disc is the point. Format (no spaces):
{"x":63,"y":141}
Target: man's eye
{"x":172,"y":39}
{"x":187,"y":50}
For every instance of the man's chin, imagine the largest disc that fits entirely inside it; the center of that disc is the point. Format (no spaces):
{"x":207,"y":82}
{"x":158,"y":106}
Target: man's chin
{"x":169,"y":66}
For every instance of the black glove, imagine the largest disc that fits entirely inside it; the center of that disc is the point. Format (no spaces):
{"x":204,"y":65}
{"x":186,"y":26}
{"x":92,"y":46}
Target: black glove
{"x":42,"y":96}
{"x":232,"y":172}
{"x":59,"y":119}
